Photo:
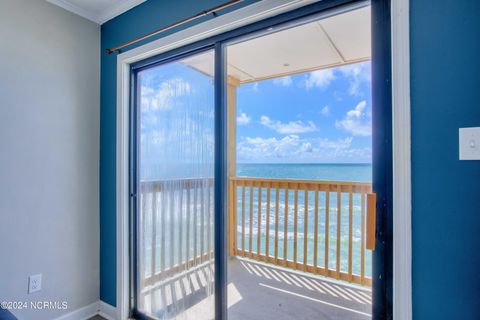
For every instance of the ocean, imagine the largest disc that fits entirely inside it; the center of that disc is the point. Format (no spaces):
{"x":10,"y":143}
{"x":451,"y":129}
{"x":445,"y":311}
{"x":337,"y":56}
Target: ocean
{"x":331,"y":172}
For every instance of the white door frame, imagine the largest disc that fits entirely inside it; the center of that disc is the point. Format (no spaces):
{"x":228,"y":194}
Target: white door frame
{"x":402,"y":291}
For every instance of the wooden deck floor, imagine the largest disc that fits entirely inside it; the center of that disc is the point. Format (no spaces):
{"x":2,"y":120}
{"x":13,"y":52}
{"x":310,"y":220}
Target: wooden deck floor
{"x":260,"y":291}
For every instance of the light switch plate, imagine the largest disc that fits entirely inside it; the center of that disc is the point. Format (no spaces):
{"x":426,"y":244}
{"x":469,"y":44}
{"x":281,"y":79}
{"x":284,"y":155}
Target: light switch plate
{"x":469,"y":143}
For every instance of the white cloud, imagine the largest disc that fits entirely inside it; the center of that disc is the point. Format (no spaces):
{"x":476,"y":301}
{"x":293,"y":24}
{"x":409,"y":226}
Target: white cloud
{"x":325,"y":111}
{"x":255,"y":87}
{"x":243,"y":119}
{"x":320,"y":79}
{"x":163,"y":97}
{"x":284,"y":81}
{"x":288,"y":128}
{"x":357,"y":121}
{"x":292,"y":148}
{"x":357,"y":75}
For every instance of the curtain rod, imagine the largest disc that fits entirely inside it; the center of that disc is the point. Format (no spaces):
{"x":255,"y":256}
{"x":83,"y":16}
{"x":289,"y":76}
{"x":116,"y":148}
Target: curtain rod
{"x":173,"y":25}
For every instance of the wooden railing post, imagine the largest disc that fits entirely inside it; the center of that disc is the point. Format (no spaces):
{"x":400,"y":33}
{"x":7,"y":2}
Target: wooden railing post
{"x":327,"y":227}
{"x":154,"y":232}
{"x":362,"y":241}
{"x":350,"y":233}
{"x":267,"y":220}
{"x":305,"y":232}
{"x":250,"y":222}
{"x":277,"y":196}
{"x":259,"y":221}
{"x":315,"y":234}
{"x":295,"y":225}
{"x":339,"y":229}
{"x":285,"y":233}
{"x":243,"y":219}
{"x":233,"y":217}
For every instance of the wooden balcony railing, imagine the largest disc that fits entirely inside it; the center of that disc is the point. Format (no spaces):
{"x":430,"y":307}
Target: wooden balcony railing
{"x":313,"y":226}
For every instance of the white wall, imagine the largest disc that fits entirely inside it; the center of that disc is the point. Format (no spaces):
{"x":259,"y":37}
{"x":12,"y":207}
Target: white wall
{"x":49,"y":155}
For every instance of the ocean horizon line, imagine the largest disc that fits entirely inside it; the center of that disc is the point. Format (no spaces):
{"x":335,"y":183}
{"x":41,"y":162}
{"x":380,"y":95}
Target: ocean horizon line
{"x":309,"y":163}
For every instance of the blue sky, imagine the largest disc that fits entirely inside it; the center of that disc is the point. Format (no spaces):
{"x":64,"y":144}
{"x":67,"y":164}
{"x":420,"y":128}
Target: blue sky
{"x":317,"y":117}
{"x":176,"y":122}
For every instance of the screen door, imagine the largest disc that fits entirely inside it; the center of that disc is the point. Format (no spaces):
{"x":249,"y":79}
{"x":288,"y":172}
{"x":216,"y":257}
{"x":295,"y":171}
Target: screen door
{"x":174,"y":215}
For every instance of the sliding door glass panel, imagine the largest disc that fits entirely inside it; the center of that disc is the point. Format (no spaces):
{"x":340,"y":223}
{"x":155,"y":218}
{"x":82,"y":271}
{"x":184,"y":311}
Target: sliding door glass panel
{"x":175,"y":275}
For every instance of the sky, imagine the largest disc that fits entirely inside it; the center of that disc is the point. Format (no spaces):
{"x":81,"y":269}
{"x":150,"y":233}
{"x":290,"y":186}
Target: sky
{"x":176,"y":122}
{"x":317,"y":117}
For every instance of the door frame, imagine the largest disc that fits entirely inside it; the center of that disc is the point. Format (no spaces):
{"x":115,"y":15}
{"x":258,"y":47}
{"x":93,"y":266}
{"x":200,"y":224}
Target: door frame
{"x":395,"y":295}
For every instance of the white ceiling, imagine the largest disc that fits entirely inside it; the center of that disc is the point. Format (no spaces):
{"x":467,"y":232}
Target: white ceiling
{"x":338,"y":40}
{"x":98,"y":11}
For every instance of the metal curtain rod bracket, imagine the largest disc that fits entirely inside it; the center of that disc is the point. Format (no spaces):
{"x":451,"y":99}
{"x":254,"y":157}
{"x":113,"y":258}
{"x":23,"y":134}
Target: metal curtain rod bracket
{"x":213,"y":11}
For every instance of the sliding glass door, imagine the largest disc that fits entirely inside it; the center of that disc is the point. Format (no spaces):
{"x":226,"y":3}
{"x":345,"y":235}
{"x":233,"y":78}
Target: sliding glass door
{"x":187,"y":102}
{"x":174,"y":121}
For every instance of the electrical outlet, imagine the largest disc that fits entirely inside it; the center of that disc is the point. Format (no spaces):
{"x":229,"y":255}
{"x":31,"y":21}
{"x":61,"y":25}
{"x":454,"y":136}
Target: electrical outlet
{"x":34,"y":283}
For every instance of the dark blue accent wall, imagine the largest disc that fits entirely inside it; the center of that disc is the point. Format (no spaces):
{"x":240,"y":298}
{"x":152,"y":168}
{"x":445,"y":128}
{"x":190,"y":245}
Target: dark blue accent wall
{"x":142,"y":19}
{"x":445,"y":92}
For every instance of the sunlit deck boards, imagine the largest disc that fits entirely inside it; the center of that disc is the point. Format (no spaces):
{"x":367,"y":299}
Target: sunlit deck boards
{"x":188,"y":294}
{"x":269,"y":292}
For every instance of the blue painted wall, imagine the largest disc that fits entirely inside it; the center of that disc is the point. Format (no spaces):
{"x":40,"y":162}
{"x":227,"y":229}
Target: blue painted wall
{"x":445,"y":84}
{"x":142,"y":19}
{"x":445,"y":96}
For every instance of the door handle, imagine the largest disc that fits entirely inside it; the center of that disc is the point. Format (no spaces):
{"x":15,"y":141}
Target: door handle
{"x":371,"y":220}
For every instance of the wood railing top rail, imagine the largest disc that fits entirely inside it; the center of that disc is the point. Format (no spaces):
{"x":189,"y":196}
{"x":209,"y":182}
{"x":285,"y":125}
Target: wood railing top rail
{"x":299,"y":184}
{"x":192,"y":181}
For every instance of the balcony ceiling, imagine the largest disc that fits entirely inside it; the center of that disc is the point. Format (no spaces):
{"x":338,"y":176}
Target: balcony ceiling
{"x":334,"y":41}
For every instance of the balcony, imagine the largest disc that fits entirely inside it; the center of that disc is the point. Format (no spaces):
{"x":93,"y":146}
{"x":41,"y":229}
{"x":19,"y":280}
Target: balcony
{"x":296,"y":247}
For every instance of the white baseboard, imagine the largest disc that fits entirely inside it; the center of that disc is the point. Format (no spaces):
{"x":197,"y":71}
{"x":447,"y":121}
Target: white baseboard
{"x":97,"y":308}
{"x":107,"y":311}
{"x":81,"y":314}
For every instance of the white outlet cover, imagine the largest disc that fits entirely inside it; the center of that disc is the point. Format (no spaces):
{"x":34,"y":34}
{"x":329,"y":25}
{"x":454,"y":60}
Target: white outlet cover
{"x":34,"y":283}
{"x":469,"y":143}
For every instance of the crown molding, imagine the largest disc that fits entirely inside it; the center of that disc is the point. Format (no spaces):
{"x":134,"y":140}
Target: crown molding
{"x":75,"y":9}
{"x":118,"y":9}
{"x":98,"y":17}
